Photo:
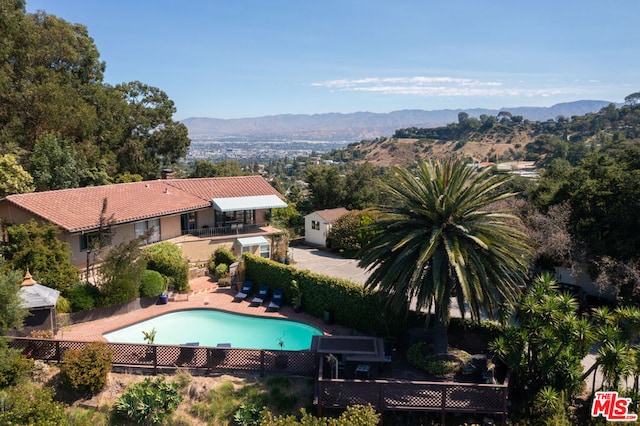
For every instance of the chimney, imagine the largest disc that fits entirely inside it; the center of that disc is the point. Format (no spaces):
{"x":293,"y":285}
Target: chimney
{"x":167,"y":174}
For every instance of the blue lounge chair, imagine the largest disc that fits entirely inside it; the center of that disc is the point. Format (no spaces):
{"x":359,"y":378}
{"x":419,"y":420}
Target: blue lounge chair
{"x":261,"y":296}
{"x":247,"y":286}
{"x":276,"y":301}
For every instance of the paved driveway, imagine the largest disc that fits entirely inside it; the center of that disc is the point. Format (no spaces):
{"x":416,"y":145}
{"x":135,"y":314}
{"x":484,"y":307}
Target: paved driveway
{"x":327,"y":263}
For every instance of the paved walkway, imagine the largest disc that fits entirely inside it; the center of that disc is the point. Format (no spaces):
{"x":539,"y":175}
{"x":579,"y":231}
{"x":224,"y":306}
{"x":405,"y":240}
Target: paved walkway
{"x":205,"y":294}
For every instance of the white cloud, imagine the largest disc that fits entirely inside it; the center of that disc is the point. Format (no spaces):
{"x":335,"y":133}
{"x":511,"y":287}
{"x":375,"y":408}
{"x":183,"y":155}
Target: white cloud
{"x":436,"y":86}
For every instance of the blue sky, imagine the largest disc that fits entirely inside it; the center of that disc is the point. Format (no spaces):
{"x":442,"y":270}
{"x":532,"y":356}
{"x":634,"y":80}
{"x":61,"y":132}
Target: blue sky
{"x":248,"y":58}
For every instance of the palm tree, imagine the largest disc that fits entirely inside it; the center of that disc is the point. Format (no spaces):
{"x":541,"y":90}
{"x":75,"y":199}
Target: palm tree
{"x":442,"y":237}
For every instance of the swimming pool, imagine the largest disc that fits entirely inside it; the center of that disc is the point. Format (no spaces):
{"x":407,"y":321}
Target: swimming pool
{"x":209,"y":327}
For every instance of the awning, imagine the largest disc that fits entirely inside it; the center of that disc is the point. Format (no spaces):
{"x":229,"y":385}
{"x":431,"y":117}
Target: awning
{"x":247,"y":203}
{"x":252,"y":241}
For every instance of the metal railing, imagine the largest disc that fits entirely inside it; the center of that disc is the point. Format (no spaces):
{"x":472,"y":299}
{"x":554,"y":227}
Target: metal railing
{"x":230,"y":229}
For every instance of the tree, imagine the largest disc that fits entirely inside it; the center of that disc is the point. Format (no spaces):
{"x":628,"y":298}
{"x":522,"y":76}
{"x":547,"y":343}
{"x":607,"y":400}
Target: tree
{"x":13,"y":178}
{"x":53,"y":164}
{"x":633,"y":99}
{"x":547,"y":342}
{"x":439,"y":238}
{"x":151,"y":138}
{"x":121,"y":272}
{"x":36,"y":246}
{"x":364,"y":185}
{"x":12,"y":313}
{"x":326,"y":186}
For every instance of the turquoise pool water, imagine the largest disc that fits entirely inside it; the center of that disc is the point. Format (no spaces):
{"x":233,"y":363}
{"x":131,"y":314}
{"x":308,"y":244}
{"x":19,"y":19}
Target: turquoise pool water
{"x":209,"y":327}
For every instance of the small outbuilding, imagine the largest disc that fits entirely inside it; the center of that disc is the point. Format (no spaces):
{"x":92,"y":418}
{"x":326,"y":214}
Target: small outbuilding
{"x":318,"y":224}
{"x":41,"y":302}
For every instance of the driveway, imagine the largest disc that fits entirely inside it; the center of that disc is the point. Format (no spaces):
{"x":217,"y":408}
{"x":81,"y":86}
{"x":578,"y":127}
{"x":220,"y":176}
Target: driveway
{"x":327,"y":263}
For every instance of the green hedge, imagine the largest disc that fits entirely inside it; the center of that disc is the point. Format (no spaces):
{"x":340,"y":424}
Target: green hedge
{"x":351,"y":304}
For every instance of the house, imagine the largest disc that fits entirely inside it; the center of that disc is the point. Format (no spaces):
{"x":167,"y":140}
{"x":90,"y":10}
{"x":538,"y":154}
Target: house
{"x":197,"y":214}
{"x":318,"y":224}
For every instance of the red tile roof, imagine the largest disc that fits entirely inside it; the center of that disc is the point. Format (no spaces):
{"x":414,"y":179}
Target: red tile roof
{"x":78,"y":209}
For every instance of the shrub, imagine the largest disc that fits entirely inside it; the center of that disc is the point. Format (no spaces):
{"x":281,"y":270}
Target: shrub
{"x":152,"y":284}
{"x":83,"y":297}
{"x":30,"y":404}
{"x":221,"y":269}
{"x":167,"y":259}
{"x":13,"y":366}
{"x":355,"y":415}
{"x":63,"y":306}
{"x":437,"y":364}
{"x":224,"y":255}
{"x":148,"y":402}
{"x":85,"y":370}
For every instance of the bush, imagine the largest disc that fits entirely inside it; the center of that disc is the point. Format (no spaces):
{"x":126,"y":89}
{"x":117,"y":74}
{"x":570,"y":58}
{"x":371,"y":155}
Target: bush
{"x":83,"y":297}
{"x":355,"y":415}
{"x":420,"y":357}
{"x":221,"y":270}
{"x":63,"y":306}
{"x":167,"y":259}
{"x":148,"y":402}
{"x":13,"y":366}
{"x":29,"y":404}
{"x":224,"y":255}
{"x":85,"y":370}
{"x":221,"y":256}
{"x":152,"y":284}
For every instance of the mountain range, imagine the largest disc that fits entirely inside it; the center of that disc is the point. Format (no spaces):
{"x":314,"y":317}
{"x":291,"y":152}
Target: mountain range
{"x":362,"y":125}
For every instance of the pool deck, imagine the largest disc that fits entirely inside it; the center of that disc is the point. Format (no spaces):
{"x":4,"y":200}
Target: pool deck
{"x":205,"y":294}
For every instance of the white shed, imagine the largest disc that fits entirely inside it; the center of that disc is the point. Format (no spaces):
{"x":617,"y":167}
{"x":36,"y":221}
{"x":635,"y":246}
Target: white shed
{"x":318,"y":224}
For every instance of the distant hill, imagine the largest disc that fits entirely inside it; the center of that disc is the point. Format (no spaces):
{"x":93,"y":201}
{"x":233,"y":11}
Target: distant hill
{"x":363,"y":125}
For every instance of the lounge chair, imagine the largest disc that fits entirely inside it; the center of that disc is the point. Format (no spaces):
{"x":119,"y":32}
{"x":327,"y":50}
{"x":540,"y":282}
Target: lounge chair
{"x":247,"y":286}
{"x":261,"y":296}
{"x":187,"y":352}
{"x":276,"y":301}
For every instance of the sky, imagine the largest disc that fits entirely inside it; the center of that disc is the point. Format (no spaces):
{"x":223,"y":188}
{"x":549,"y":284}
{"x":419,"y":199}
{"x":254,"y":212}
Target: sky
{"x":251,"y":58}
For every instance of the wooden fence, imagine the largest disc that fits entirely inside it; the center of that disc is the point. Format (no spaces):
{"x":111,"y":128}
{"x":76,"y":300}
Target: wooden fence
{"x":384,"y":395}
{"x":158,"y":357}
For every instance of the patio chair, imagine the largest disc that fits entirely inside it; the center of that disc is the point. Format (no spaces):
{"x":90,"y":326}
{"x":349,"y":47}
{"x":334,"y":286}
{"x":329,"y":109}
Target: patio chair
{"x":276,"y":301}
{"x":247,"y":286}
{"x":187,"y":352}
{"x":261,"y":296}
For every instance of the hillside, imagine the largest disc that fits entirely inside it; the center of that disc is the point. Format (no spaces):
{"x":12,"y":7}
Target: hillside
{"x":363,"y":125}
{"x":504,"y":138}
{"x":405,"y":151}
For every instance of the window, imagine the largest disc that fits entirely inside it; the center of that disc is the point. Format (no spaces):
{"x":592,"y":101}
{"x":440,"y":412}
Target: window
{"x":141,"y":227}
{"x":188,"y":221}
{"x":315,"y":225}
{"x":89,"y":240}
{"x":264,"y":250}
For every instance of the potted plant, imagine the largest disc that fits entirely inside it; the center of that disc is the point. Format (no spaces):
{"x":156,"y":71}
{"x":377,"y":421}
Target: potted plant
{"x":296,"y":297}
{"x":281,"y":359}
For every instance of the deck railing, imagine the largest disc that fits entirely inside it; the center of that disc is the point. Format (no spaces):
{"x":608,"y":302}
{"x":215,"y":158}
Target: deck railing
{"x":229,"y":229}
{"x":398,"y":395}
